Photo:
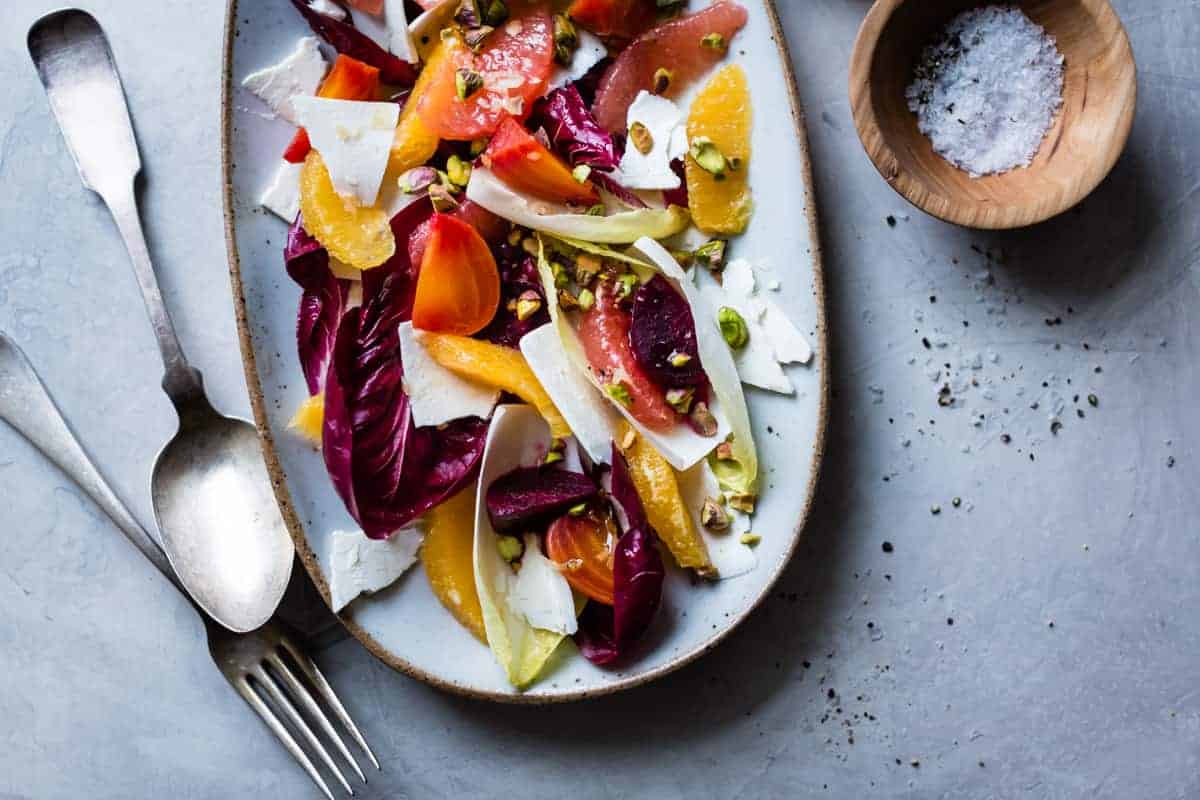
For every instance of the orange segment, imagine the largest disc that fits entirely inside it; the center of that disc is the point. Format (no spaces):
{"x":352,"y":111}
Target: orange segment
{"x":722,"y":113}
{"x":658,"y":487}
{"x":309,"y":419}
{"x":358,"y":236}
{"x":446,"y":555}
{"x":415,"y":143}
{"x":497,"y":366}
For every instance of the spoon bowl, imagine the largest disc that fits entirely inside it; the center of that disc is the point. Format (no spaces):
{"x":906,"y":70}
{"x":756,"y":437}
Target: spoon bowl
{"x":1081,"y":147}
{"x":221,"y":528}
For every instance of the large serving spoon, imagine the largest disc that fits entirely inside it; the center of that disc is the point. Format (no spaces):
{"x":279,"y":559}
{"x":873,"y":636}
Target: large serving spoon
{"x":220,"y":526}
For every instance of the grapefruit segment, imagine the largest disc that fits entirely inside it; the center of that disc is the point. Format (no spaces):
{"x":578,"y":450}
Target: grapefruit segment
{"x":528,"y":166}
{"x":675,"y":45}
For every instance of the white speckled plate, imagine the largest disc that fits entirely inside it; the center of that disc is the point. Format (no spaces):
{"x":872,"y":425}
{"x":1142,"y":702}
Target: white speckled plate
{"x":405,"y":626}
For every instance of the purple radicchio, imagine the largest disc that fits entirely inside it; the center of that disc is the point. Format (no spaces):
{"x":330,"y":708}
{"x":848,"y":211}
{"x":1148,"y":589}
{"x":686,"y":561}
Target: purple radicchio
{"x":350,"y":41}
{"x":387,"y":471}
{"x":662,"y":335}
{"x":518,"y":278}
{"x":528,"y":495}
{"x":322,"y":303}
{"x":605,"y":634}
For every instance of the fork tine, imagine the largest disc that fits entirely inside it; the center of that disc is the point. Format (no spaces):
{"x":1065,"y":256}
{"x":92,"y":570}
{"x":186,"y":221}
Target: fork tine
{"x":305,"y":698}
{"x":254,"y":701}
{"x":326,"y":691}
{"x":281,"y":701}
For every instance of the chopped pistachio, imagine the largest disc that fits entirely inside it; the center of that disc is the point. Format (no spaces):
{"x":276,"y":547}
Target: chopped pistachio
{"x":586,"y":299}
{"x":561,"y":277}
{"x":724,"y":452}
{"x":750,"y":539}
{"x":708,"y":156}
{"x":448,"y":35}
{"x":681,"y":399}
{"x":712,"y":254}
{"x":475,"y":37}
{"x":626,"y":284}
{"x":467,"y":82}
{"x":713,"y":516}
{"x":678,"y":359}
{"x":597,"y":210}
{"x":639,"y":134}
{"x":530,"y":245}
{"x":662,"y":80}
{"x":578,"y":511}
{"x":682,"y":257}
{"x":553,"y":457}
{"x":567,"y":301}
{"x":581,"y":173}
{"x":702,"y":420}
{"x":514,"y":236}
{"x":713,"y":41}
{"x":441,"y":198}
{"x":478,"y":146}
{"x":458,"y":171}
{"x":565,"y":39}
{"x":743,"y":502}
{"x":510,"y":548}
{"x":627,"y":441}
{"x":734,"y":162}
{"x":417,"y":179}
{"x":558,"y":445}
{"x":587,"y":267}
{"x":469,"y":15}
{"x":497,"y":13}
{"x":528,"y":304}
{"x":572,"y":565}
{"x":620,"y":393}
{"x":733,"y":328}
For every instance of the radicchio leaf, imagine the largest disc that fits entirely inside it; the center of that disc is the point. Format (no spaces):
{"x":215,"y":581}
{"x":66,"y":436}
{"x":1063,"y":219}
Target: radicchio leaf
{"x":350,"y":41}
{"x":662,"y":327}
{"x":518,"y":275}
{"x":638,"y":573}
{"x":387,"y":471}
{"x":531,"y":494}
{"x":322,"y":304}
{"x":677,"y":197}
{"x":574,"y":132}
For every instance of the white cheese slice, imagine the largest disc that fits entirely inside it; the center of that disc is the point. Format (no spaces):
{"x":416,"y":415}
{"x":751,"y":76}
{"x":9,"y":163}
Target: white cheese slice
{"x":591,"y":51}
{"x":359,"y":565}
{"x":327,"y":8}
{"x":297,"y":75}
{"x":373,"y":27}
{"x":435,"y":394}
{"x":664,"y":122}
{"x":774,"y":340}
{"x":354,"y":138}
{"x":726,"y":551}
{"x":541,"y":594}
{"x":282,"y":197}
{"x":400,"y":40}
{"x":589,"y":415}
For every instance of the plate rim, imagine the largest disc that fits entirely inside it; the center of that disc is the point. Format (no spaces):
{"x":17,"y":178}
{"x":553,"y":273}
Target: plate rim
{"x":278,"y":478}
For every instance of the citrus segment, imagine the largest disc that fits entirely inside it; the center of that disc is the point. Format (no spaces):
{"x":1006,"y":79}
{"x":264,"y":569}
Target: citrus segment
{"x":721,"y":112}
{"x":497,"y":366}
{"x":658,"y":488}
{"x":309,"y":419}
{"x":353,"y":234}
{"x":446,"y":555}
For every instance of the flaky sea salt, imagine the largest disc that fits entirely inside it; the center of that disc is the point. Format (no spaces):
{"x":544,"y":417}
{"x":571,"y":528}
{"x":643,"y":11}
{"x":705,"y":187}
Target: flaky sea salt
{"x":986,"y":91}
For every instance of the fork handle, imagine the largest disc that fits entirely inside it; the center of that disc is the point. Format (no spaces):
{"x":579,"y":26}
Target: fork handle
{"x":27,"y":407}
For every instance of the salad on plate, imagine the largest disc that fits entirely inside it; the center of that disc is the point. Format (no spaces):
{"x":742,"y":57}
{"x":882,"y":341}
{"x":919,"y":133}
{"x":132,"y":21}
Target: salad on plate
{"x":523,"y":324}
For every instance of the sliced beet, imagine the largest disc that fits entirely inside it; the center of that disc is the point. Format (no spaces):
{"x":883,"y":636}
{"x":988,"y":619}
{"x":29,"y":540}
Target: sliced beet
{"x":662,"y":328}
{"x":529,"y":495}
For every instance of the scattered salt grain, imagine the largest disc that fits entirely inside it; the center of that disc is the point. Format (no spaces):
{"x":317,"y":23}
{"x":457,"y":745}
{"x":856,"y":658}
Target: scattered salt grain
{"x":986,"y":91}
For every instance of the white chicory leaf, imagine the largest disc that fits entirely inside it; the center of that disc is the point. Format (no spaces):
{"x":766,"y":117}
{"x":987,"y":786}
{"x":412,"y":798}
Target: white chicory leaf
{"x":728,"y":555}
{"x":518,"y":436}
{"x":493,"y":194}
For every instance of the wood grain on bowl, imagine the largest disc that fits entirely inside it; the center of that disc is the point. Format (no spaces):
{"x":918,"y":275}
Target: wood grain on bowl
{"x":1079,"y":150}
{"x":405,"y":626}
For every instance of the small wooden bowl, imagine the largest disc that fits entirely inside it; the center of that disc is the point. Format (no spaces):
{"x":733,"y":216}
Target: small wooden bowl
{"x":1087,"y":136}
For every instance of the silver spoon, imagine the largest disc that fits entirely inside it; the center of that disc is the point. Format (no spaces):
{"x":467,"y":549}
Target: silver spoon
{"x":220,"y":525}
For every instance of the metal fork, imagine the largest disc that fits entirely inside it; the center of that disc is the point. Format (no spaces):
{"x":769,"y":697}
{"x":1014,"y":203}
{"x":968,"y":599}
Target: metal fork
{"x":264,"y":666}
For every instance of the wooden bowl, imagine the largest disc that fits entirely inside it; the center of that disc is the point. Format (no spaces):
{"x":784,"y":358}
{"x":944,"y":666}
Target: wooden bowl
{"x":1087,"y":136}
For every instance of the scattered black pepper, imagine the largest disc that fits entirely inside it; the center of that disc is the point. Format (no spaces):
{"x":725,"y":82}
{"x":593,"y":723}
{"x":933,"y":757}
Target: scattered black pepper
{"x":1055,"y":427}
{"x":949,"y":620}
{"x":891,"y":221}
{"x":956,"y":502}
{"x":1005,"y":438}
{"x":1093,"y":401}
{"x":925,"y":341}
{"x":887,"y":547}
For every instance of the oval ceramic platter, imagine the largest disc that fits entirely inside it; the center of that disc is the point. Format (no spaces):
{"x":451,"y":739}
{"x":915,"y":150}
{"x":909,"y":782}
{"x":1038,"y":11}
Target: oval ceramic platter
{"x":405,"y":625}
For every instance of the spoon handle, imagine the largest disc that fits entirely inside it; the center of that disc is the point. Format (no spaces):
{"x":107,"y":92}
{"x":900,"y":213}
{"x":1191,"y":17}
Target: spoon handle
{"x":77,"y":69}
{"x":26,"y":406}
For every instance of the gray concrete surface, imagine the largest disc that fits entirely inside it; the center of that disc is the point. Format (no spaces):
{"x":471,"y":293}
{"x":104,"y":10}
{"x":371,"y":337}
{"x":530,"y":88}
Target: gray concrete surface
{"x":1070,"y":567}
